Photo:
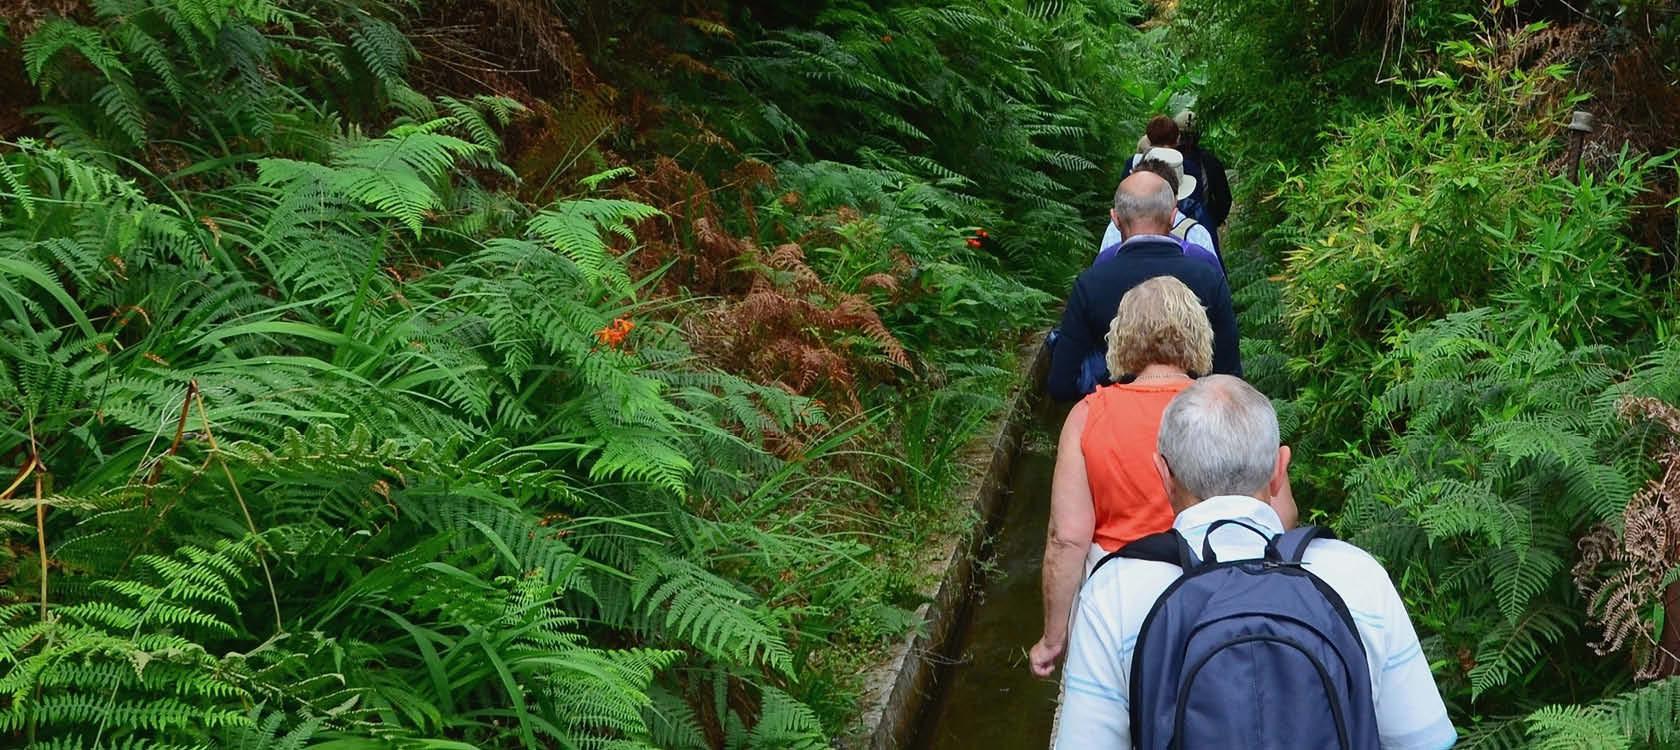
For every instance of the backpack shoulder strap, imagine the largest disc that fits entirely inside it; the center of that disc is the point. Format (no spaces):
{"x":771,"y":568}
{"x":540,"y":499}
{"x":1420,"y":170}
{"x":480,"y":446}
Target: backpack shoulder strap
{"x":1167,"y":546}
{"x":1292,"y":545}
{"x":1181,"y":228}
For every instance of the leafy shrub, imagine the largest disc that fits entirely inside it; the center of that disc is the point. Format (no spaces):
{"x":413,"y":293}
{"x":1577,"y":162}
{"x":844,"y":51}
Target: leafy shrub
{"x":328,"y":437}
{"x":1463,"y":331}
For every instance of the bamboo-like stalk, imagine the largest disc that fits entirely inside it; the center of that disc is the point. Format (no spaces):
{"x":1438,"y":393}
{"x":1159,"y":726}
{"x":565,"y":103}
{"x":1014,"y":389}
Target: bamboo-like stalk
{"x":174,"y":445}
{"x":40,"y":514}
{"x":29,"y":469}
{"x":41,"y":535}
{"x":262,"y":556}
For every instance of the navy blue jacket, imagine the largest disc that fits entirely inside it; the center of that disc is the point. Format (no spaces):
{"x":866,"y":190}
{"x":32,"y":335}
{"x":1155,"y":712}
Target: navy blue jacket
{"x":1096,"y":295}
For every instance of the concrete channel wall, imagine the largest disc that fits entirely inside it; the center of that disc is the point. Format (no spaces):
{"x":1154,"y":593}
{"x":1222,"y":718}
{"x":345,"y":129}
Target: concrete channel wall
{"x":898,"y":689}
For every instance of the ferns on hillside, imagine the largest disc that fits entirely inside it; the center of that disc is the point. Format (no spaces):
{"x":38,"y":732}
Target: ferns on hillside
{"x":1464,"y":332}
{"x":128,"y":663}
{"x":1497,"y":470}
{"x":340,"y":442}
{"x":143,"y":361}
{"x":1006,"y":121}
{"x":394,"y":174}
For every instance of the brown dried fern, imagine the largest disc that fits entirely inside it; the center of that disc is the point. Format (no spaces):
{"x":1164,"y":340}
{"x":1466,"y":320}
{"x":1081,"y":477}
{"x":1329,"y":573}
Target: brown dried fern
{"x":793,"y":330}
{"x":1625,"y":577}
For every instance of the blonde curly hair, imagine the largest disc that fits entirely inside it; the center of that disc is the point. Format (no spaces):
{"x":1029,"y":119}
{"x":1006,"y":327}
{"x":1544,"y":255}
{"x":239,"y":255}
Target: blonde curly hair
{"x":1160,"y":322}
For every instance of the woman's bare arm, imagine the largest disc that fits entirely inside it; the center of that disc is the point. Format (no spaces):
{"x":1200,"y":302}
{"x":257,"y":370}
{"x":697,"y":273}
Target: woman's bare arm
{"x":1072,"y":526}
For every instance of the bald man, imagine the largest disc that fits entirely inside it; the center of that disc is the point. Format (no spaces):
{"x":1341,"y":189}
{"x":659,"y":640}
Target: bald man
{"x":1143,"y":209}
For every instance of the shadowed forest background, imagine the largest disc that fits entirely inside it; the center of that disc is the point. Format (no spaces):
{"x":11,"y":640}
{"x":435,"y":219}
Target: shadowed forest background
{"x":536,"y":373}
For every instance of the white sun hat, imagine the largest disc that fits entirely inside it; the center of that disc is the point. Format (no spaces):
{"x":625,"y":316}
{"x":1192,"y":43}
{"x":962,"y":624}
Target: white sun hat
{"x":1175,"y":159}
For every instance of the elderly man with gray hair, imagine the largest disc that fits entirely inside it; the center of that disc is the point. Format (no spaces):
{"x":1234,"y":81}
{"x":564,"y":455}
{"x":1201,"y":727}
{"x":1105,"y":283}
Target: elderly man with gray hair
{"x":1231,"y":630}
{"x":1143,"y":210}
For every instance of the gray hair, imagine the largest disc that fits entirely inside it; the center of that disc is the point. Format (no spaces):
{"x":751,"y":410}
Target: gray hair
{"x":1157,"y":207}
{"x":1219,"y":437}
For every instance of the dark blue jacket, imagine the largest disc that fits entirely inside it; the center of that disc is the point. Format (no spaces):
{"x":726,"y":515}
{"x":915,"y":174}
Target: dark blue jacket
{"x":1096,"y":295}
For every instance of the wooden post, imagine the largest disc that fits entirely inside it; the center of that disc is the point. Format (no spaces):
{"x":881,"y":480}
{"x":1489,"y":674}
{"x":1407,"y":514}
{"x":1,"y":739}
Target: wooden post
{"x":1580,"y":124}
{"x":1668,"y":641}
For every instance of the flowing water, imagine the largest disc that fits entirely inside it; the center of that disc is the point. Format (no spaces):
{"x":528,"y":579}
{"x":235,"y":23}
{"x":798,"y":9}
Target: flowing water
{"x":987,"y":698}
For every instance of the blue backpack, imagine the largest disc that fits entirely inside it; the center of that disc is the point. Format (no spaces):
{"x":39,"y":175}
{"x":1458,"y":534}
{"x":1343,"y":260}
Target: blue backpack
{"x":1254,"y":653}
{"x":1093,"y":371}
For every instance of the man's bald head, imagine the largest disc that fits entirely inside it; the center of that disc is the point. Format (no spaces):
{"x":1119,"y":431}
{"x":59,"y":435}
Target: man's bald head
{"x":1144,"y":204}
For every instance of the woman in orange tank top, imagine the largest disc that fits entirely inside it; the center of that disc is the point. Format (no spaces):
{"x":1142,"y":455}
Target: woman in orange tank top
{"x":1106,"y":491}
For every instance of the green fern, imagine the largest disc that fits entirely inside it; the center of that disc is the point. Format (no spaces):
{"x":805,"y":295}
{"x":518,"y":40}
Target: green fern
{"x":783,"y":723}
{"x":85,"y":669}
{"x":693,"y":604}
{"x":396,"y":174}
{"x":575,"y":228}
{"x":57,"y":36}
{"x":382,"y":49}
{"x":1573,"y":728}
{"x":1643,"y":717}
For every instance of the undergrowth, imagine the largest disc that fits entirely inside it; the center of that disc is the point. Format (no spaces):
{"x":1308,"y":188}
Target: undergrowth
{"x":360,"y":388}
{"x":1474,"y":355}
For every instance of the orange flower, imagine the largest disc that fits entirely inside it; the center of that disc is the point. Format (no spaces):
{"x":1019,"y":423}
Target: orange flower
{"x":614,"y":333}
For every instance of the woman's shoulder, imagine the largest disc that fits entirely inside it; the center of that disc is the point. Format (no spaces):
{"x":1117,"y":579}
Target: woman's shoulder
{"x":1130,"y":400}
{"x":1106,"y":395}
{"x":1102,"y":396}
{"x":1134,"y":389}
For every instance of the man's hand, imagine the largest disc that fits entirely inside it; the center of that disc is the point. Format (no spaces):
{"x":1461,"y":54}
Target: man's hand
{"x":1044,"y":656}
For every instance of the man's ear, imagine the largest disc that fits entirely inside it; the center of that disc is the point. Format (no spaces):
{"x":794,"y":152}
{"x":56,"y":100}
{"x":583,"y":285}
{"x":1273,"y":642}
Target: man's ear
{"x":1114,"y":216}
{"x":1165,"y":472}
{"x":1282,"y":497}
{"x":1280,"y":472}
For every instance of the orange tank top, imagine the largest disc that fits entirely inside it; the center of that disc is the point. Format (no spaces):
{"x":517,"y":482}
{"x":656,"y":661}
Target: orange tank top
{"x":1119,"y":449}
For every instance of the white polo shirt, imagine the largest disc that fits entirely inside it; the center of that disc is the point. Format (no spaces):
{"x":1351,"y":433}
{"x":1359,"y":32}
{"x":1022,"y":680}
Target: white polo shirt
{"x":1113,"y":603}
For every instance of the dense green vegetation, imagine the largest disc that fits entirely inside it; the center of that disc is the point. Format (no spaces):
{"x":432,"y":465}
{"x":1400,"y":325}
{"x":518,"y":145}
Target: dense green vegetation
{"x":596,"y":374}
{"x":1476,"y":354}
{"x":510,"y":374}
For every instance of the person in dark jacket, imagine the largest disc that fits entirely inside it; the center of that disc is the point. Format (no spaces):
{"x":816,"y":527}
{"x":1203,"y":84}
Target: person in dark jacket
{"x":1143,"y":208}
{"x":1213,"y":177}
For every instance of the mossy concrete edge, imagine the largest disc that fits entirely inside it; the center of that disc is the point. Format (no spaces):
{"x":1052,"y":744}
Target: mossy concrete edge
{"x":896,"y":691}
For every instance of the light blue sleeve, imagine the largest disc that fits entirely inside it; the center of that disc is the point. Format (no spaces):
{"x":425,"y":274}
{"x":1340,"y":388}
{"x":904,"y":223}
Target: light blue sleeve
{"x":1111,"y":237}
{"x":1094,"y":714}
{"x":1410,"y":713}
{"x":1201,"y":236}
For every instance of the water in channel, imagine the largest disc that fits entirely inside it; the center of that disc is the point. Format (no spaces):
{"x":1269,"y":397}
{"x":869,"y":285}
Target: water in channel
{"x":987,"y":697}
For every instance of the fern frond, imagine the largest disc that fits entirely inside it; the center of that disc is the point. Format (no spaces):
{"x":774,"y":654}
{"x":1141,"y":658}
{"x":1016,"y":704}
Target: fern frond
{"x":382,"y":49}
{"x":692,"y":603}
{"x":575,"y":227}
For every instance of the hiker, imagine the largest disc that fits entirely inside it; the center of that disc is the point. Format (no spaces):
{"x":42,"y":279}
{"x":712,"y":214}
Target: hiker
{"x":1161,"y":132}
{"x":1143,"y":209}
{"x":1169,"y":164}
{"x":1105,"y":492}
{"x":1207,"y":165}
{"x":1242,"y":635}
{"x":1204,"y":164}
